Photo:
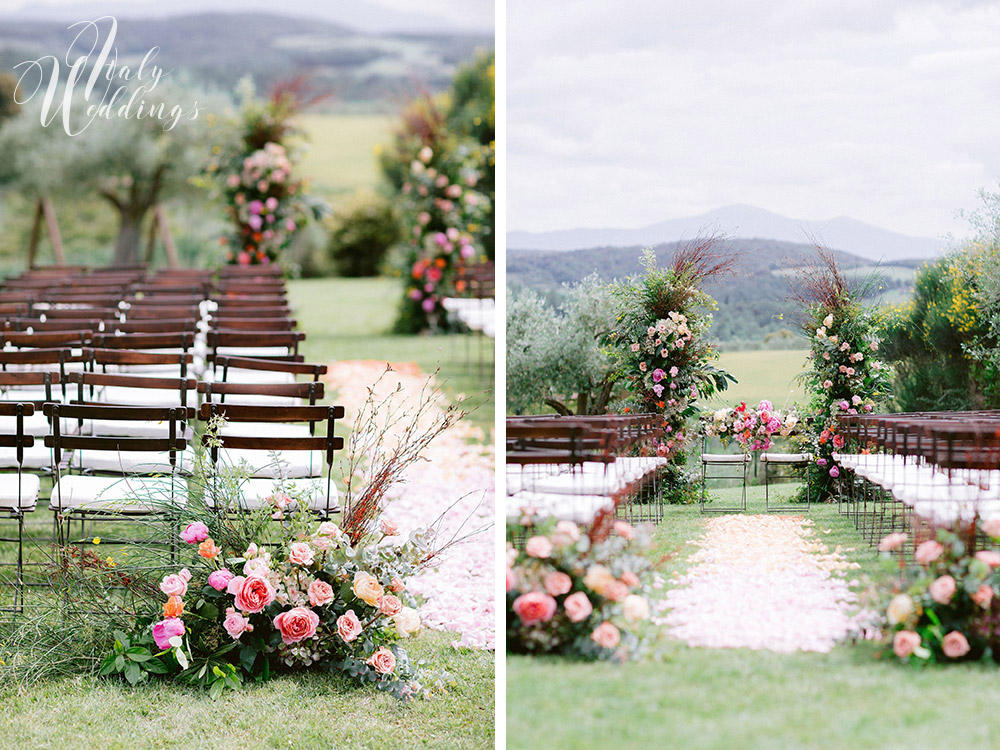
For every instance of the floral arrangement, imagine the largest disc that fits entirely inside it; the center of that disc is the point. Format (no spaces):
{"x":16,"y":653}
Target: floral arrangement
{"x":313,"y":599}
{"x":751,"y":427}
{"x":945,"y":607}
{"x":659,"y":340}
{"x":845,"y":375}
{"x":576,"y":594}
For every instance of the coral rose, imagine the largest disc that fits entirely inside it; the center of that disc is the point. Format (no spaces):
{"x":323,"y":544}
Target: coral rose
{"x":164,"y":630}
{"x":348,"y":626}
{"x":989,"y":556}
{"x":578,"y":607}
{"x":254,"y":594}
{"x":899,"y":609}
{"x":367,"y":588}
{"x":219,"y":579}
{"x":943,"y":589}
{"x":892,"y":542}
{"x":983,"y":596}
{"x":383,"y":661}
{"x":174,"y":607}
{"x":558,"y":583}
{"x":390,"y":605}
{"x":538,"y":546}
{"x":606,"y":635}
{"x":174,"y":585}
{"x":905,"y":643}
{"x":235,"y":623}
{"x":320,"y":593}
{"x":954,"y":645}
{"x":635,"y":608}
{"x":208,"y":549}
{"x":928,"y":552}
{"x":296,"y":624}
{"x":300,"y":553}
{"x":534,"y":607}
{"x":195,"y":532}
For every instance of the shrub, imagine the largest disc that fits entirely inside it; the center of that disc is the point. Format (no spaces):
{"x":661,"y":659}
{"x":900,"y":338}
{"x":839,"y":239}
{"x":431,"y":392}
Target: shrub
{"x":362,"y":236}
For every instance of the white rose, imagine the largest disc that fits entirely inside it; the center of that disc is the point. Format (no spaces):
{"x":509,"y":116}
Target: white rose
{"x":635,"y":608}
{"x":899,"y":609}
{"x":828,"y":320}
{"x":407,"y":622}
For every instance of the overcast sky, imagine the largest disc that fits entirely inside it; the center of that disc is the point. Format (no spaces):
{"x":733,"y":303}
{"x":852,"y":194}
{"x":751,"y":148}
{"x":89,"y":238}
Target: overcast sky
{"x":622,"y":114}
{"x":367,"y":15}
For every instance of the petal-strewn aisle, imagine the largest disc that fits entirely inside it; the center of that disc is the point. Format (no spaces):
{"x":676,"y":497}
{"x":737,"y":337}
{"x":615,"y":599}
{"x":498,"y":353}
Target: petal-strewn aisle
{"x":762,"y":582}
{"x":458,"y":475}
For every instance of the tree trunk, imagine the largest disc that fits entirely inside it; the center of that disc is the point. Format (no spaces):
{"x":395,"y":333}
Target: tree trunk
{"x":129,"y":235}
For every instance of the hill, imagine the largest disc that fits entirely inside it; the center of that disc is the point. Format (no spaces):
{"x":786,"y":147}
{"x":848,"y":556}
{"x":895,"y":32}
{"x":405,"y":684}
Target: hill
{"x":850,"y":235}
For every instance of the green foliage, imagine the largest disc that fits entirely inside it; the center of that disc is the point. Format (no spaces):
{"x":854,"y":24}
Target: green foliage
{"x":8,"y":107}
{"x":362,"y":236}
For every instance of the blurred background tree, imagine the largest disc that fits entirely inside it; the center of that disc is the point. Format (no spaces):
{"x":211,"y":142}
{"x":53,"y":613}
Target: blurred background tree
{"x":8,"y":107}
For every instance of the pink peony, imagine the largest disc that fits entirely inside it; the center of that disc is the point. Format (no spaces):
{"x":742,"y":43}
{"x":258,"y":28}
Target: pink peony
{"x":235,"y":623}
{"x":606,"y":635}
{"x":538,"y":546}
{"x":928,"y":552}
{"x":954,"y":645}
{"x":175,"y":584}
{"x":296,"y":624}
{"x":164,"y":630}
{"x":254,"y":593}
{"x":219,"y":579}
{"x":534,"y":607}
{"x":383,"y":661}
{"x":320,"y":593}
{"x":892,"y":542}
{"x":578,"y":607}
{"x":195,"y":532}
{"x":943,"y":589}
{"x":348,"y":626}
{"x":989,"y":556}
{"x":983,"y":596}
{"x":300,"y":553}
{"x":558,"y":583}
{"x":904,"y":643}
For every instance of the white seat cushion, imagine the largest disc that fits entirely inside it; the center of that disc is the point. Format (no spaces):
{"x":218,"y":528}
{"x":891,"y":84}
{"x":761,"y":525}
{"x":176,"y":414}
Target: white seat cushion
{"x":24,"y":497}
{"x":787,"y":458}
{"x":252,"y":351}
{"x":254,"y":493}
{"x":118,"y":494}
{"x":256,"y":399}
{"x":36,"y":425}
{"x":133,"y":462}
{"x":127,"y":428}
{"x":266,"y":429}
{"x":724,"y":458}
{"x":289,"y":464}
{"x":35,"y":457}
{"x":237,"y":375}
{"x":114,"y":394}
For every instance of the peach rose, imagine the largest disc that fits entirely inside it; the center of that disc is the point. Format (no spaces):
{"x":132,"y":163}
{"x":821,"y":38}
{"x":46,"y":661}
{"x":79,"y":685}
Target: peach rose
{"x":253,"y":593}
{"x":905,"y":643}
{"x":630,"y":579}
{"x":534,"y":607}
{"x":616,"y":591}
{"x":367,"y":588}
{"x":578,"y":607}
{"x":538,"y":546}
{"x":597,"y":578}
{"x":348,"y":626}
{"x":558,"y":583}
{"x":892,"y":542}
{"x":606,"y":635}
{"x":296,"y":624}
{"x":407,"y":622}
{"x":174,"y":607}
{"x":624,"y":530}
{"x":300,"y":553}
{"x":991,"y":528}
{"x":320,"y":593}
{"x":208,"y":549}
{"x":635,"y":608}
{"x":569,"y":531}
{"x":983,"y":596}
{"x":390,"y":605}
{"x":989,"y":556}
{"x":954,"y":645}
{"x":383,"y":661}
{"x":928,"y":552}
{"x":899,"y":609}
{"x":943,"y":589}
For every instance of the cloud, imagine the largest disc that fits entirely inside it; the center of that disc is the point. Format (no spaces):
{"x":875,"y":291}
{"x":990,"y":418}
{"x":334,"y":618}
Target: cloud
{"x":624,"y":114}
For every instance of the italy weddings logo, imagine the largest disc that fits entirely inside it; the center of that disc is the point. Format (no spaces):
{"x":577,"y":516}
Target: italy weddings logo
{"x":90,"y":84}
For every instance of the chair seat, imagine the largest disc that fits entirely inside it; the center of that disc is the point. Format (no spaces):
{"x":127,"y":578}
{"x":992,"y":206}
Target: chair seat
{"x":133,"y":495}
{"x":35,"y":457}
{"x":24,"y":497}
{"x":115,"y":394}
{"x":126,"y":428}
{"x":134,"y":462}
{"x":254,"y":494}
{"x":725,"y":458}
{"x":252,"y":351}
{"x":266,"y":429}
{"x":288,"y":464}
{"x":36,"y":425}
{"x":786,"y":458}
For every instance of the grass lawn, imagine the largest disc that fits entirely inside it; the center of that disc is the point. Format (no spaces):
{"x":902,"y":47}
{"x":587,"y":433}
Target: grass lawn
{"x":763,"y":374}
{"x":341,"y":155}
{"x":701,"y":698}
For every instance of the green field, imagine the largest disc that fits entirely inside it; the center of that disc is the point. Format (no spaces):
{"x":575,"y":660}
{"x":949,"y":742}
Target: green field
{"x":763,"y":374}
{"x":341,"y":157}
{"x":703,"y":699}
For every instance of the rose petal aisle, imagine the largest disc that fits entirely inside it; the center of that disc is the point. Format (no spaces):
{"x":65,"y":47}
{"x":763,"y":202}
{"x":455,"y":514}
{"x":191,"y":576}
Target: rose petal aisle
{"x":458,"y":476}
{"x":762,"y":582}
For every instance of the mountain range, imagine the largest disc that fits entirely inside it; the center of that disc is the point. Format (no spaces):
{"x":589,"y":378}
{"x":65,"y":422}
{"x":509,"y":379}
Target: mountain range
{"x":842,"y":233}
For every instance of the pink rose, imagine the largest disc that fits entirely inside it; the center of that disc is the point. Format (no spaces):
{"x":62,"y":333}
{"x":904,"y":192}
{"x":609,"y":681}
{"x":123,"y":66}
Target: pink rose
{"x":616,"y":591}
{"x":983,"y":596}
{"x":630,"y":579}
{"x":321,"y":543}
{"x":254,"y":593}
{"x":954,"y":645}
{"x":991,"y":528}
{"x":327,"y":528}
{"x":383,"y":661}
{"x":348,"y":626}
{"x":943,"y":589}
{"x":989,"y":556}
{"x":534,"y":607}
{"x":320,"y":593}
{"x":834,"y":472}
{"x":569,"y":530}
{"x":164,"y":630}
{"x":195,"y":532}
{"x":296,"y":624}
{"x":892,"y":542}
{"x":219,"y":579}
{"x":558,"y":583}
{"x":578,"y":607}
{"x":928,"y":552}
{"x":396,"y":585}
{"x":388,"y":527}
{"x":606,"y":635}
{"x":624,"y":530}
{"x":538,"y":546}
{"x":175,"y":585}
{"x":300,"y":553}
{"x":904,"y":643}
{"x":235,"y":623}
{"x":390,"y":605}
